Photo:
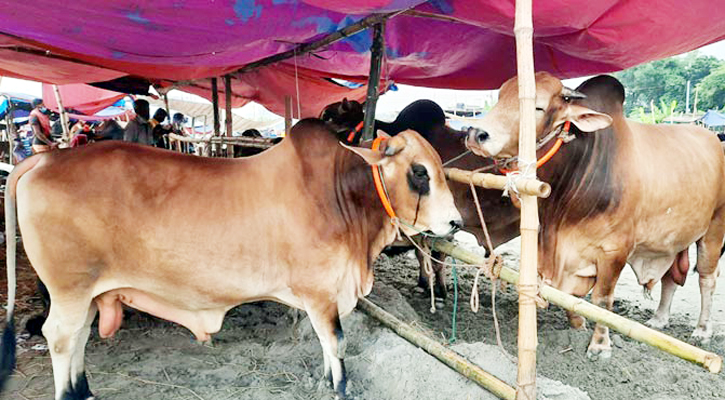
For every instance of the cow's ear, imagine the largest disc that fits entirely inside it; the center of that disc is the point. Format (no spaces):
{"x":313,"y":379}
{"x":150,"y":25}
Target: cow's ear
{"x":382,"y":134}
{"x":371,"y":157}
{"x":585,"y":119}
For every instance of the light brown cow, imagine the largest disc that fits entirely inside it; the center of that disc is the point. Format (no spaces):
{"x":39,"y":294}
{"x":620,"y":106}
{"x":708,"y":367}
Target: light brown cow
{"x":186,"y":238}
{"x":622,"y":192}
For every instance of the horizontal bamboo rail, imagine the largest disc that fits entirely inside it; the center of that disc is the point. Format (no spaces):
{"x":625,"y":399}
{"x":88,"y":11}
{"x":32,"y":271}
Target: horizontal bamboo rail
{"x":637,"y":331}
{"x":442,"y":353}
{"x":531,"y":187}
{"x":261,"y":143}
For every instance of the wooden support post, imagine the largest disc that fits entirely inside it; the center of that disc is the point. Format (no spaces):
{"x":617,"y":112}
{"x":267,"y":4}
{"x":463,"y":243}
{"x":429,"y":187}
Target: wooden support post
{"x":287,"y":114}
{"x":63,"y":115}
{"x":166,"y":105}
{"x":524,"y":32}
{"x":215,"y":103}
{"x":710,"y":361}
{"x":228,"y":113}
{"x":437,"y":350}
{"x":376,"y":62}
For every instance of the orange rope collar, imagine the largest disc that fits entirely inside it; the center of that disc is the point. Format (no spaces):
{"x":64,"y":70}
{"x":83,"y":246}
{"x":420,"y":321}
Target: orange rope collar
{"x":549,"y":154}
{"x":354,"y":132}
{"x":380,"y":184}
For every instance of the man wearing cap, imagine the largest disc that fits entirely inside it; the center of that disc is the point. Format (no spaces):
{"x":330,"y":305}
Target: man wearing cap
{"x":40,"y":125}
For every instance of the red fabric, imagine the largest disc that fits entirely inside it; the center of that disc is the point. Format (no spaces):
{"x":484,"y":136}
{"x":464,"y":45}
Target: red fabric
{"x":270,"y":85}
{"x":82,"y":98}
{"x":78,"y":140}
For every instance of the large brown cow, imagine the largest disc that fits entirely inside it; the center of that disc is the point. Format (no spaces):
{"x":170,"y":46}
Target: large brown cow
{"x":187,"y":238}
{"x":428,"y":118}
{"x":622,"y":192}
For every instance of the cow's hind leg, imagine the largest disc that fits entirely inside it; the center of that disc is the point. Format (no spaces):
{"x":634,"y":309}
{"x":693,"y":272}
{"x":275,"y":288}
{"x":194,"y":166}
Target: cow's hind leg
{"x":708,"y":253}
{"x":325,"y":320}
{"x":79,"y":381}
{"x":662,"y":315}
{"x":66,"y":322}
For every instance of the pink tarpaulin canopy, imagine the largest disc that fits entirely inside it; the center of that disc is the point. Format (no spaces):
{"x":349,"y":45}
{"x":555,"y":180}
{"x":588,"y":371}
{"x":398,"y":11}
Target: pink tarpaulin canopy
{"x":466,"y":44}
{"x":85,"y":99}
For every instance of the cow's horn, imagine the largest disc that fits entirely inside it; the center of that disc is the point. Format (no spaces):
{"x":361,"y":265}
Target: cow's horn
{"x":394,"y":145}
{"x":572,"y":94}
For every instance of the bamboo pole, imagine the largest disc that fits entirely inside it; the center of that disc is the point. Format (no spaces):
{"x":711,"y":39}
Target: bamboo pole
{"x":524,"y":31}
{"x":215,"y":103}
{"x":376,"y":63}
{"x":287,"y":114}
{"x":261,"y":143}
{"x":637,"y":331}
{"x":63,"y":114}
{"x":228,"y":112}
{"x":531,"y":187}
{"x":449,"y":357}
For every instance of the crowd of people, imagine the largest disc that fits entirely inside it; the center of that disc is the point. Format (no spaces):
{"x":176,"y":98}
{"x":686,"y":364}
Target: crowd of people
{"x":45,"y":127}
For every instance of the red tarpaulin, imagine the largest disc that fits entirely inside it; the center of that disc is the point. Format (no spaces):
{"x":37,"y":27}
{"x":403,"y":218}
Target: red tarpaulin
{"x":82,"y":98}
{"x":464,"y":44}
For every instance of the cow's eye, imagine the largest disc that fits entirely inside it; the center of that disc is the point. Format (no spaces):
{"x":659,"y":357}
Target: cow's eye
{"x":418,"y":179}
{"x":539,"y":109}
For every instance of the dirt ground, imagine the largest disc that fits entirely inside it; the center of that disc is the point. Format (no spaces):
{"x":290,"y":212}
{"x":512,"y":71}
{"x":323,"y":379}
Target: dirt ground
{"x":260,"y":354}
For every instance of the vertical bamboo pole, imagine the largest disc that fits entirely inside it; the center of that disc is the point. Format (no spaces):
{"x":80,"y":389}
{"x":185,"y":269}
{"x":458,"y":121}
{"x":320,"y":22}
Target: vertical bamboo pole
{"x":376,"y":62}
{"x":228,"y":112}
{"x":12,"y":134}
{"x":287,"y":114}
{"x":63,"y":114}
{"x":166,"y":104}
{"x":215,"y":103}
{"x":523,"y":29}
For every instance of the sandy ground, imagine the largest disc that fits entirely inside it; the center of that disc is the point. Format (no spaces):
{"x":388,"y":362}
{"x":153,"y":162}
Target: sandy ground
{"x":260,"y":354}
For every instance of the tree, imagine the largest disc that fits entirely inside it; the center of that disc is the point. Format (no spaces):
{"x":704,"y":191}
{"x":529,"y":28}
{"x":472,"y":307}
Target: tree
{"x":712,"y":90}
{"x":665,"y":81}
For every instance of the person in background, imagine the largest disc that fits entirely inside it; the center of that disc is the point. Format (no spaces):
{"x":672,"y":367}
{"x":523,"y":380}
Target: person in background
{"x":40,"y":126}
{"x":158,"y":129}
{"x":81,"y":136}
{"x":177,"y":123}
{"x":138,"y":130}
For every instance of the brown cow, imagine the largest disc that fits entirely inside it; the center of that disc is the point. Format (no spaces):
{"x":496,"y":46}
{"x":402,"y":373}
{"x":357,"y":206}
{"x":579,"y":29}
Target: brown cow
{"x":299,"y":224}
{"x":428,"y":118}
{"x":622,"y":192}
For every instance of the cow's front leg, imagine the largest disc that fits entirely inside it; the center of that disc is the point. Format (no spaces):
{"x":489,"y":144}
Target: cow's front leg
{"x":439,"y":289}
{"x":325,"y":320}
{"x":600,"y":347}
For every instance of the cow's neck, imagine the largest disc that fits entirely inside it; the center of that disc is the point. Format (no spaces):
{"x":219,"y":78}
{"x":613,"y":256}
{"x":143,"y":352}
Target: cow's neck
{"x":583,"y":183}
{"x":359,"y":207}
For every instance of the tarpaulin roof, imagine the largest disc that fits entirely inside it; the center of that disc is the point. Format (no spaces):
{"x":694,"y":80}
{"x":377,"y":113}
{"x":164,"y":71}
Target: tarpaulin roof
{"x":465,"y":44}
{"x":84,"y":99}
{"x":713,"y":118}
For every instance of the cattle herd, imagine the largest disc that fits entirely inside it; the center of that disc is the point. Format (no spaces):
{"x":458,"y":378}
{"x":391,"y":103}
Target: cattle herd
{"x":303,"y":222}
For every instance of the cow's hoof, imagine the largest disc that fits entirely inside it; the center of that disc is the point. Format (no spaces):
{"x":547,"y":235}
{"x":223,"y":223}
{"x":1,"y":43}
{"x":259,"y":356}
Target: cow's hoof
{"x":702,"y":335}
{"x":657,"y":323}
{"x":599,"y":353}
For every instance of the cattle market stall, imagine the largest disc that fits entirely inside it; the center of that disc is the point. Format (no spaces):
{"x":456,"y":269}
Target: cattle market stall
{"x":267,"y":59}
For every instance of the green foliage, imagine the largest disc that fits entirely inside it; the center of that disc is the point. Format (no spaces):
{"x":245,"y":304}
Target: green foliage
{"x":666,"y":81}
{"x":657,"y":114}
{"x":712,"y":90}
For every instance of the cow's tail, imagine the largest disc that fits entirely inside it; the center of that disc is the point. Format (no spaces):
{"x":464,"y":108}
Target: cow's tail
{"x":7,"y":352}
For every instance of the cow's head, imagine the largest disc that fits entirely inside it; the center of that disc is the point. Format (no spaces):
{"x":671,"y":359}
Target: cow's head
{"x":344,"y":114}
{"x":497,"y":134}
{"x":414,"y":179}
